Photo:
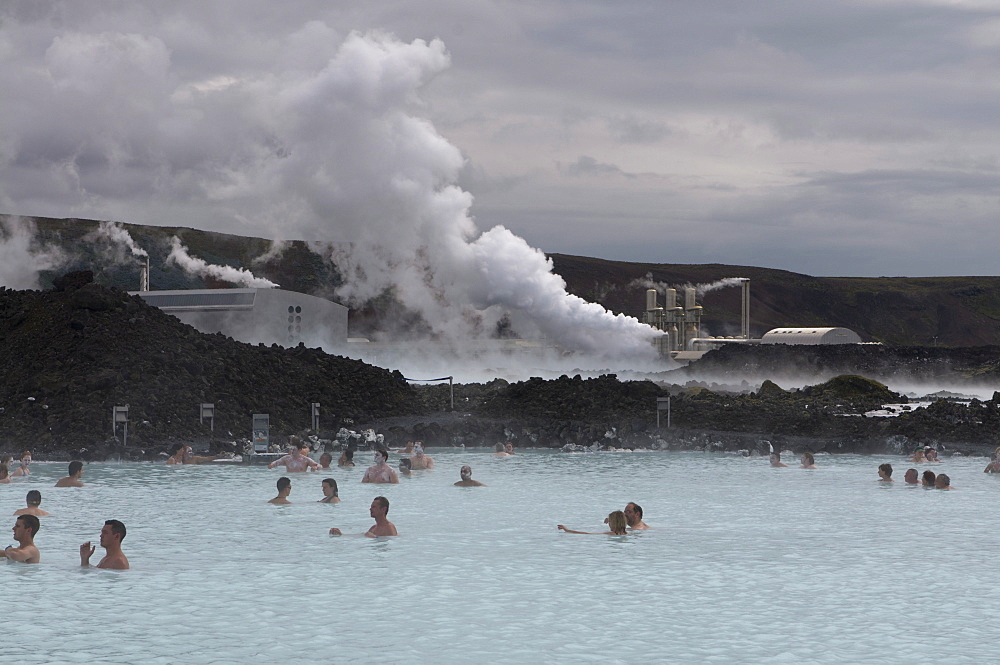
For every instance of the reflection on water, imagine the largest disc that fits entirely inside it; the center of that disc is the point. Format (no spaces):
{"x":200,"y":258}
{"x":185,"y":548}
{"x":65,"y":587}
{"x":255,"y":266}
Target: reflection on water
{"x":745,"y":564}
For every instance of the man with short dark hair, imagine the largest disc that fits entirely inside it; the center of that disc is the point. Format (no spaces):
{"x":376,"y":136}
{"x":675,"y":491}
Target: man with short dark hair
{"x":34,"y":499}
{"x":25,"y":528}
{"x":382,"y":527}
{"x":467,"y":481}
{"x":73,"y":479}
{"x":112,"y":535}
{"x":381,"y":472}
{"x":284,"y":489}
{"x":633,"y":515}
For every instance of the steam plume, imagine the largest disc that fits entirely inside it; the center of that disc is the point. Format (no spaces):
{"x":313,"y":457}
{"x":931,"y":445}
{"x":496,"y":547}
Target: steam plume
{"x":122,"y":248}
{"x":199,"y":267}
{"x":22,"y":256}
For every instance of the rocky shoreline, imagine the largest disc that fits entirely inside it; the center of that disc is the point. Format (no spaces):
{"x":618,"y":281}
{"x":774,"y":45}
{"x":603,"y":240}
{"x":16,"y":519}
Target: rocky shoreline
{"x":73,"y":353}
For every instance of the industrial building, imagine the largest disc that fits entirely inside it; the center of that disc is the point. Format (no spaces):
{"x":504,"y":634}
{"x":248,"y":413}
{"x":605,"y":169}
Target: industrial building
{"x":681,"y":324}
{"x":811,"y":336}
{"x":271,"y":316}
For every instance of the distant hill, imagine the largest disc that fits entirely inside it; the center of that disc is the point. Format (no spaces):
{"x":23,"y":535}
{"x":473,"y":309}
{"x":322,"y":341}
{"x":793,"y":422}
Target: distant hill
{"x":907,"y":311}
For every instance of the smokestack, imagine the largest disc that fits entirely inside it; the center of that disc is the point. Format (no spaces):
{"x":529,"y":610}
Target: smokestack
{"x":650,"y":300}
{"x":144,"y":276}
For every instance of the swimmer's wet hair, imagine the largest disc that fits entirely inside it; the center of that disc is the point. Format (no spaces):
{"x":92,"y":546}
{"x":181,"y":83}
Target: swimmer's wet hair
{"x":928,"y":475}
{"x":117,"y":528}
{"x":31,"y":522}
{"x":74,"y":467}
{"x":943,"y":479}
{"x":405,"y":461}
{"x":34,"y":498}
{"x":638,"y":508}
{"x":332,"y":483}
{"x":384,"y":502}
{"x":501,"y":448}
{"x":809,"y":456}
{"x":617,"y":522}
{"x":886,"y":469}
{"x":383,"y":452}
{"x":283,"y":482}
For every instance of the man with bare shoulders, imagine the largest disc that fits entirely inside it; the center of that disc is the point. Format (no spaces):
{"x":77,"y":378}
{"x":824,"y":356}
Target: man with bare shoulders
{"x":467,"y":480}
{"x":419,"y":461}
{"x":501,"y":451}
{"x":776,"y":461}
{"x":633,"y":515}
{"x":297,"y":460}
{"x":34,"y":499}
{"x":73,"y":479}
{"x":382,"y":526}
{"x":381,"y":472}
{"x":112,"y":535}
{"x":284,"y":489}
{"x":25,"y":528}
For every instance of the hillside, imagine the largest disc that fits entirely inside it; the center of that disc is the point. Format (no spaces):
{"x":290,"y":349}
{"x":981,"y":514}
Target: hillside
{"x":925,"y":311}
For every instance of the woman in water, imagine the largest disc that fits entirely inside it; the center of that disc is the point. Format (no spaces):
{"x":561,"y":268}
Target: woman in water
{"x":927,"y":479}
{"x":346,"y":458}
{"x":808,"y":461}
{"x":4,"y":473}
{"x":616,"y":522}
{"x":25,"y":461}
{"x":329,"y":491}
{"x":994,"y":465}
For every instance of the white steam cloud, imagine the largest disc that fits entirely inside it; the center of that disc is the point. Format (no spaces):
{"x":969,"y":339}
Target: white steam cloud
{"x":324,"y":142}
{"x":648,"y":282}
{"x":200,"y":268}
{"x":121,"y":247}
{"x":23,"y":256}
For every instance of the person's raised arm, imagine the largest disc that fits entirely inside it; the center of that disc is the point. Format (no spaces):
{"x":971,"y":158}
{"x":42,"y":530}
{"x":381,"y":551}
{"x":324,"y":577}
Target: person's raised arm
{"x":86,"y":551}
{"x":562,"y":528}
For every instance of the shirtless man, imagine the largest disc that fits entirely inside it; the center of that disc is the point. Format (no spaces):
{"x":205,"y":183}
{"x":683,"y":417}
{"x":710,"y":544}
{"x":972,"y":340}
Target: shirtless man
{"x":297,"y":460}
{"x":943,"y":482}
{"x":34,"y":499}
{"x":776,"y":461}
{"x":112,"y":535}
{"x":419,"y":461}
{"x":25,"y":528}
{"x":73,"y":479}
{"x":184,"y":454}
{"x":382,"y":526}
{"x":467,"y":480}
{"x":284,"y":489}
{"x":380,"y":472}
{"x":633,"y":515}
{"x":501,"y":451}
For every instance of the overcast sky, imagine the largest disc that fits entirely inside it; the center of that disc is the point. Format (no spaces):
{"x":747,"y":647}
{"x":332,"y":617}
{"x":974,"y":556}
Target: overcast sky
{"x":829,"y":138}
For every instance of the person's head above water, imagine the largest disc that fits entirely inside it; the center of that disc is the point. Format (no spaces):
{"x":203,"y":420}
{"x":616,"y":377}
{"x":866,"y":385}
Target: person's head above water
{"x":34,"y":498}
{"x":807,"y":458}
{"x":617,"y":522}
{"x":501,"y":448}
{"x":466,"y":472}
{"x":405,"y":465}
{"x":912,"y":476}
{"x":928,"y":477}
{"x":116,"y":531}
{"x":418,"y":449}
{"x":885,"y":470}
{"x":381,"y":455}
{"x":942,"y":481}
{"x":633,"y":513}
{"x":330,"y":485}
{"x":283,"y":484}
{"x":380,"y":505}
{"x":75,"y":467}
{"x":29,"y":522}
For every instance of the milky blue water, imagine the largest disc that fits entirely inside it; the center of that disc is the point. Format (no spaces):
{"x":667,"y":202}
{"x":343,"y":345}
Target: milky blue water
{"x":746,"y":564}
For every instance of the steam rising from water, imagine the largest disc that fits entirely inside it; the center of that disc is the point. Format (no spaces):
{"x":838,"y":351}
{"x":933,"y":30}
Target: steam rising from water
{"x":199,"y":267}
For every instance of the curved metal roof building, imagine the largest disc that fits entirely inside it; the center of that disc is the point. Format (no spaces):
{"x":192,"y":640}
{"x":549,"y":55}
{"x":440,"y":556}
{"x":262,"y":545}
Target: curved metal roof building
{"x":810,"y":336}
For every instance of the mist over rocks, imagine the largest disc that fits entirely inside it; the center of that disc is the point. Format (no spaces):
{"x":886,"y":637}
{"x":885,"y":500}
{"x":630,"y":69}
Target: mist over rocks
{"x":71,"y":355}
